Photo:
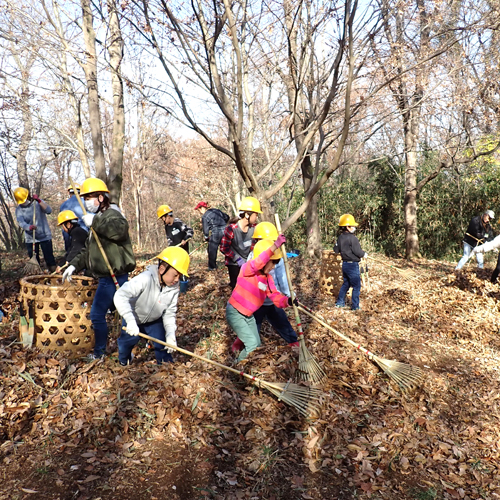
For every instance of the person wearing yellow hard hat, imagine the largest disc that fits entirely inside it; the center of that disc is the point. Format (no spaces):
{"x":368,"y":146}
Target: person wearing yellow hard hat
{"x":255,"y":284}
{"x":274,"y":315}
{"x":31,"y":215}
{"x":178,"y":233}
{"x":350,"y":249}
{"x":71,"y":203}
{"x":148,"y":304}
{"x":68,"y":221}
{"x":236,"y":243}
{"x":111,"y":227}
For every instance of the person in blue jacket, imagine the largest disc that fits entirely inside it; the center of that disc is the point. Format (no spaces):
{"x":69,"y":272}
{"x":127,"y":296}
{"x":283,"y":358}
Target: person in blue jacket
{"x":31,"y":215}
{"x":72,"y":204}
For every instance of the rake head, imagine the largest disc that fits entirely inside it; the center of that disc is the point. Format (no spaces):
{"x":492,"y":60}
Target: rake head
{"x":305,"y":399}
{"x":309,"y":369}
{"x":32,"y":267}
{"x":408,"y":274}
{"x":406,"y":376}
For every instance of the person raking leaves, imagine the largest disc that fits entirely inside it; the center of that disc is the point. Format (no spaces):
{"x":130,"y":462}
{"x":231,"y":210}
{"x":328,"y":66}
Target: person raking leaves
{"x":275,"y":315}
{"x":111,"y":227}
{"x":148,"y":304}
{"x":237,"y":241}
{"x":487,"y":247}
{"x":253,"y":285}
{"x":77,"y":236}
{"x":349,"y":248}
{"x":478,"y":232}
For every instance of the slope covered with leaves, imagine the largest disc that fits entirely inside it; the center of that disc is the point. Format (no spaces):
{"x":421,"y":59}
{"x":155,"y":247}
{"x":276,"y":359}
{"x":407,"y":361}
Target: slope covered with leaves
{"x":189,"y":430}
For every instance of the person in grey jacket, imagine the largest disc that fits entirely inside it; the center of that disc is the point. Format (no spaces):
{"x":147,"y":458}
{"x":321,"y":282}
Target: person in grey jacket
{"x":148,"y":304}
{"x":31,"y":215}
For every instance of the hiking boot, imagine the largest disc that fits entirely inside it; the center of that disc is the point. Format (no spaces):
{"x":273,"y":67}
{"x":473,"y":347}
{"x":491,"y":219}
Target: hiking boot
{"x":129,"y":361}
{"x":237,"y":346}
{"x":294,"y":344}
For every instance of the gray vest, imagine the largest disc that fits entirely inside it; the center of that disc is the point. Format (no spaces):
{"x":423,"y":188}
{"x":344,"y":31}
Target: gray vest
{"x":242,"y":243}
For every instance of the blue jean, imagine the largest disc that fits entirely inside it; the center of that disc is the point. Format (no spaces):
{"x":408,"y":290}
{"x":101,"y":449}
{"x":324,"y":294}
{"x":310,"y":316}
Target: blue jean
{"x":47,"y":250}
{"x":213,"y":246}
{"x":352,"y":279}
{"x":154,"y":329}
{"x":103,"y":300}
{"x":279,"y":321}
{"x":465,"y":258}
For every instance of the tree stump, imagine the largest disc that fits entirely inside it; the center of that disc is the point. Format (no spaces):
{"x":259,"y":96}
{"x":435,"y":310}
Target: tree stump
{"x":61,"y":312}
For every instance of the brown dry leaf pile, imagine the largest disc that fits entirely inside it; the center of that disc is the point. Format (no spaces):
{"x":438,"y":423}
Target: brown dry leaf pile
{"x":189,"y":430}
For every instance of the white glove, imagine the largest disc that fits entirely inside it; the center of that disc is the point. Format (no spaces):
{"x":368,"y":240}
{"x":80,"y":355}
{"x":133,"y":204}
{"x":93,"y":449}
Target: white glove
{"x":365,"y":256}
{"x":476,"y":250}
{"x":67,"y":274}
{"x":132,"y":328}
{"x":172,"y":341}
{"x":87,"y":219}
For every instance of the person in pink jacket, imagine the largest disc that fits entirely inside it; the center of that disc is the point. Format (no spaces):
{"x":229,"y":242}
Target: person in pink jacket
{"x":253,"y":285}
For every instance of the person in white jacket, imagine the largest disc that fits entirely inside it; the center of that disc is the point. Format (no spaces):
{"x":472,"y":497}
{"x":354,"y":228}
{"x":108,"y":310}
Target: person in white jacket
{"x":487,"y":247}
{"x":148,"y":304}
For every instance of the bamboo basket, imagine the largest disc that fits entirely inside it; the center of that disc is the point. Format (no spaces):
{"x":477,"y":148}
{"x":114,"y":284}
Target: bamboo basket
{"x":331,"y":273}
{"x":62,"y":312}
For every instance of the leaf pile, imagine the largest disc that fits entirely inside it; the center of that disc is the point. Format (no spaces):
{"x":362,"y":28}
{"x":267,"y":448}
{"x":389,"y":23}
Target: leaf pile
{"x":190,"y":430}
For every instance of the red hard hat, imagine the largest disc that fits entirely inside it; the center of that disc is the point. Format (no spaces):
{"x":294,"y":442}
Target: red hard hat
{"x":201,"y":204}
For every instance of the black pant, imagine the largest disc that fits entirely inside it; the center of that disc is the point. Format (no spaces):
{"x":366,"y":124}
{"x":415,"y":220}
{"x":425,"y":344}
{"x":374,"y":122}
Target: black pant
{"x":233,"y":274}
{"x":213,"y":246}
{"x":48,"y":253}
{"x":496,"y":272}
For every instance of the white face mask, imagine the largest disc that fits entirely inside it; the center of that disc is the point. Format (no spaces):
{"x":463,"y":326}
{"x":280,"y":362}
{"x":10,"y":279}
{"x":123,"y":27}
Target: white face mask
{"x":90,"y":206}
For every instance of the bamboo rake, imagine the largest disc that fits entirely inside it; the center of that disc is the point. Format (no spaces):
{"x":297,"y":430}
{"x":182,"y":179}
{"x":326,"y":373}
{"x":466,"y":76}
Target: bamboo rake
{"x":305,"y":399}
{"x":405,"y":375}
{"x":197,"y":248}
{"x":32,"y":267}
{"x":408,"y":274}
{"x":309,"y":369}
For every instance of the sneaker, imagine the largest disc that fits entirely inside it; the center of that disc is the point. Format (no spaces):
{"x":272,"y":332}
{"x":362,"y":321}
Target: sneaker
{"x":294,"y":344}
{"x":237,"y":346}
{"x":129,"y":361}
{"x":93,"y":357}
{"x":340,"y":306}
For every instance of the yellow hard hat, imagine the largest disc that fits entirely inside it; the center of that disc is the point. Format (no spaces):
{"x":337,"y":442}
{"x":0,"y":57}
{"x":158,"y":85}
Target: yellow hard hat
{"x":77,"y":187}
{"x":21,"y":195}
{"x":347,"y":220}
{"x":250,"y":204}
{"x":93,"y":185}
{"x":265,"y":231}
{"x":263,"y":245}
{"x":65,"y":216}
{"x":163,"y":210}
{"x":176,"y":257}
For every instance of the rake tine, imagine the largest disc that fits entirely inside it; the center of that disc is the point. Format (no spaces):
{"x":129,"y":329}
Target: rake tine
{"x":407,"y":376}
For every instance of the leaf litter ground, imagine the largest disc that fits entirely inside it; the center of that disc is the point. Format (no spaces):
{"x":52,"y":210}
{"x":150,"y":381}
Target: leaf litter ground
{"x":69,"y":429}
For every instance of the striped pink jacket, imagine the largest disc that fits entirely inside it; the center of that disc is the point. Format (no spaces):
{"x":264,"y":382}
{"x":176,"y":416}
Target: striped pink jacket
{"x":253,"y":286}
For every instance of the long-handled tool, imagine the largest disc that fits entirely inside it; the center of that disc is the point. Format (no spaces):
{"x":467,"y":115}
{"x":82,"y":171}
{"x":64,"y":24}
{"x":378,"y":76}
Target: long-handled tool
{"x":367,"y":275}
{"x":23,"y":327}
{"x":408,"y":274}
{"x":32,"y":266}
{"x":309,"y":369}
{"x":31,"y":323}
{"x":197,"y":248}
{"x":405,"y":375}
{"x":305,"y":399}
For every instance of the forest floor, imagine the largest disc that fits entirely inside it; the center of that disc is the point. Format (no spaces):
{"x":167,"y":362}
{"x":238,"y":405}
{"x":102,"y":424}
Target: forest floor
{"x":76,"y":430}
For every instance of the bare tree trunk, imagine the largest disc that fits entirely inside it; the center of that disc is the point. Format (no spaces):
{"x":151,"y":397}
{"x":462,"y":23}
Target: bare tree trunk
{"x":115,"y":49}
{"x":410,"y":206}
{"x":314,"y":246}
{"x":90,"y":68}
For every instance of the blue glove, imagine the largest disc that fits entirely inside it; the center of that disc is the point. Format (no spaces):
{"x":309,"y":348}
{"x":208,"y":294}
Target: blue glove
{"x":240,"y":261}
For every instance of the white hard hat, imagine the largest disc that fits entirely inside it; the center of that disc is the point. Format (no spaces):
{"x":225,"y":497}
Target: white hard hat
{"x":490,"y":214}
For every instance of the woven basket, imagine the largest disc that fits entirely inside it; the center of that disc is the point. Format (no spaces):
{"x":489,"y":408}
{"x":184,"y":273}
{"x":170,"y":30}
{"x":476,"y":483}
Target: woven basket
{"x":62,"y":312}
{"x":331,"y":273}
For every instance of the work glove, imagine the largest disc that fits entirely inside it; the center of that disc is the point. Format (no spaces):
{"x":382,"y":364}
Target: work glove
{"x":32,"y":227}
{"x":280,"y":240}
{"x":365,"y":256}
{"x":87,"y":219}
{"x":295,"y":301}
{"x":240,"y":261}
{"x":36,"y":198}
{"x":132,"y":328}
{"x":68,"y":273}
{"x":170,"y":340}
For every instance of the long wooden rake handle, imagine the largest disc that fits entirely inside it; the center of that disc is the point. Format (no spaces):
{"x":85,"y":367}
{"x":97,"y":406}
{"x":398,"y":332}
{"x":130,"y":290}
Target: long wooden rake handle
{"x":321,"y":321}
{"x":34,"y":223}
{"x":197,"y":248}
{"x":255,"y":380}
{"x":289,"y":279}
{"x":98,"y":241}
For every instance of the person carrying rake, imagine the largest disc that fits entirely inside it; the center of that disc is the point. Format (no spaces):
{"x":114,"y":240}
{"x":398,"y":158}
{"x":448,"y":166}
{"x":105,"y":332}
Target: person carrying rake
{"x":253,"y":285}
{"x":350,"y":249}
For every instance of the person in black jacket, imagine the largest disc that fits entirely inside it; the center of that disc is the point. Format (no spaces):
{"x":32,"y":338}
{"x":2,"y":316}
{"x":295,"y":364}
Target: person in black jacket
{"x":177,"y":232}
{"x":349,"y":248}
{"x":214,"y":222}
{"x":478,"y":232}
{"x":77,"y":236}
